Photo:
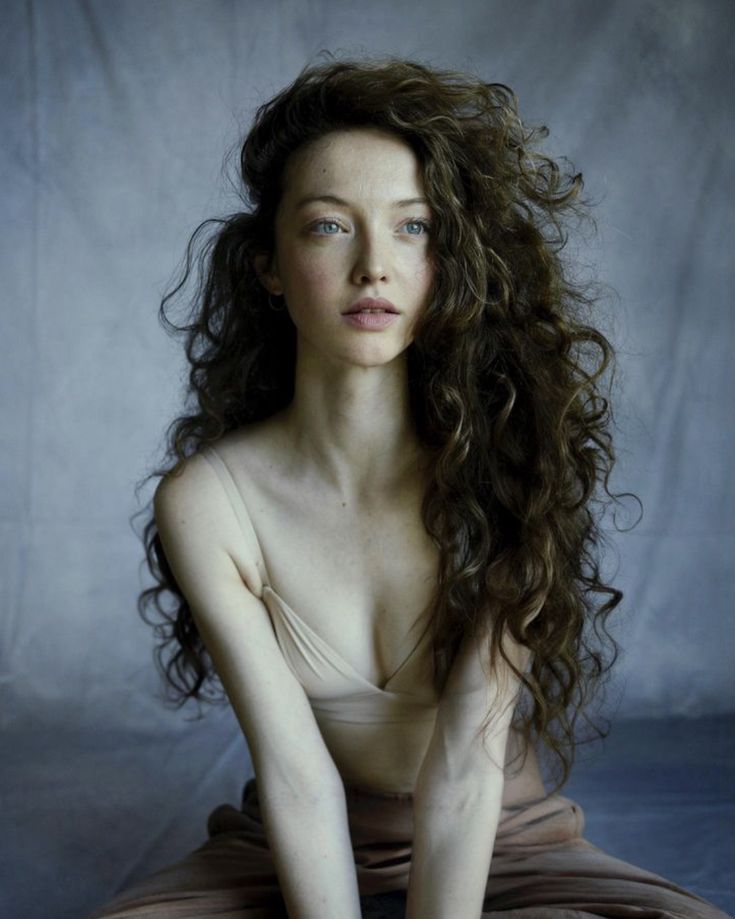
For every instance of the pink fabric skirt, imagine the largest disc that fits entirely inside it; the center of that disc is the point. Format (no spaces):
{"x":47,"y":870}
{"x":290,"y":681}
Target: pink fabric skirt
{"x":541,"y":867}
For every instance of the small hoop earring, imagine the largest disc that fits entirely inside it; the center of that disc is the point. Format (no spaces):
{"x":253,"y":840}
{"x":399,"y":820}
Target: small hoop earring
{"x":276,"y":309}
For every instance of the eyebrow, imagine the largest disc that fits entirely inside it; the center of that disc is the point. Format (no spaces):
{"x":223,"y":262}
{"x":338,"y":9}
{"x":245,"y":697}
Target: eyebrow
{"x":333,"y":199}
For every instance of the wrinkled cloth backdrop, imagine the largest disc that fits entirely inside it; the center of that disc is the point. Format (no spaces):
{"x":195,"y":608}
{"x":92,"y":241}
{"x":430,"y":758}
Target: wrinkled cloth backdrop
{"x":116,"y":120}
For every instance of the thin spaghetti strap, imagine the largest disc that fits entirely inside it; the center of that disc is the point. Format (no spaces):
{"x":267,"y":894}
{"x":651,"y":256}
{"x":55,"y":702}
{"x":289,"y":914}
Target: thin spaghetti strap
{"x":236,"y":500}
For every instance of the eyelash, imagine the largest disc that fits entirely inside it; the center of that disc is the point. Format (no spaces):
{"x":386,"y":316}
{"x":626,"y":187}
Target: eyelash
{"x":419,"y":220}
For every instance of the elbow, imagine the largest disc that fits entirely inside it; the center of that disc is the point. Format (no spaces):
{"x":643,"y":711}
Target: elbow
{"x":459,"y":774}
{"x":470,"y":784}
{"x":280,"y":783}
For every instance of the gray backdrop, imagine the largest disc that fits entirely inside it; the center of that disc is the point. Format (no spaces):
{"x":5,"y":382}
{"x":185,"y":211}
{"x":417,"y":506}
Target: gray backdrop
{"x":116,"y":119}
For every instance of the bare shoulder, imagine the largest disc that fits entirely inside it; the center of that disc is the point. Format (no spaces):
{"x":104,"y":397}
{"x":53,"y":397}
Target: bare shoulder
{"x":193,"y":479}
{"x":196,"y":519}
{"x":191,"y":496}
{"x":189,"y":485}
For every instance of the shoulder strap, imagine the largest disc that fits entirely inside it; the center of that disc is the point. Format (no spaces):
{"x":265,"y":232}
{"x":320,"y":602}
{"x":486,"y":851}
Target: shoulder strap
{"x":236,"y":499}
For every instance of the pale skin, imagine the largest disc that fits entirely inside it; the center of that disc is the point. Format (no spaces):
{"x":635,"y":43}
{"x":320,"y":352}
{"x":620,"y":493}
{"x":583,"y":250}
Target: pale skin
{"x":346,"y":443}
{"x":336,"y":478}
{"x":350,"y":417}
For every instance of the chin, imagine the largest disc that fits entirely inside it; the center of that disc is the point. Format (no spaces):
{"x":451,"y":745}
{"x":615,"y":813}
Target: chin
{"x":375,"y":357}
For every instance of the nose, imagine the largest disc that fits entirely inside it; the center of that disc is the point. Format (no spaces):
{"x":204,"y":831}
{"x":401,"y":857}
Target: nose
{"x":371,"y":258}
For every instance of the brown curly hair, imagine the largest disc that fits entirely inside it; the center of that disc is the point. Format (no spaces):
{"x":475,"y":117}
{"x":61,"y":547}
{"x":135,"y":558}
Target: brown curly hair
{"x":505,"y":375}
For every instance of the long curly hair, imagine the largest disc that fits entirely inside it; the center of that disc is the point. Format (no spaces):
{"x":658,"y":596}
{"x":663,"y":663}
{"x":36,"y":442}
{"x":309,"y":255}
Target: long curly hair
{"x":505,"y":371}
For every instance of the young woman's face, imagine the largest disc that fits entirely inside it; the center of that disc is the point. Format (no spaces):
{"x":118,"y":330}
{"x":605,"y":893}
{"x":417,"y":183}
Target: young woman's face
{"x":352,"y":224}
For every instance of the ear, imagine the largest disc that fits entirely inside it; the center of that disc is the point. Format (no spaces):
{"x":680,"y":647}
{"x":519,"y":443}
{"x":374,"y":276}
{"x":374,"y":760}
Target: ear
{"x":267,"y":272}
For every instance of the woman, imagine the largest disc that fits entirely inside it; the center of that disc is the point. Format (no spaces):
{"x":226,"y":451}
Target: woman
{"x":378,"y":531}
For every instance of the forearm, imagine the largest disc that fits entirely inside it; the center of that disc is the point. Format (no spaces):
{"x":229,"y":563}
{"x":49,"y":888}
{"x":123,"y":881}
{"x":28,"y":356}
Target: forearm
{"x":454,"y":834}
{"x":310,"y":842}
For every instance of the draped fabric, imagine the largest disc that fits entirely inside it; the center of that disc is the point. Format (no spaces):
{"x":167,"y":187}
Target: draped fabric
{"x":542,"y":868}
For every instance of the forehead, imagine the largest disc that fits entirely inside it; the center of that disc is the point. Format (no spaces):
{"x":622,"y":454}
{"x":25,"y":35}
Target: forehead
{"x":359,"y":159}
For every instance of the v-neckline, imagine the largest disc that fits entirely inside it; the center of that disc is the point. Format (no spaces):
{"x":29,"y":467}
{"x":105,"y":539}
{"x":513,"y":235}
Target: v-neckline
{"x":246,"y":524}
{"x":324,"y":644}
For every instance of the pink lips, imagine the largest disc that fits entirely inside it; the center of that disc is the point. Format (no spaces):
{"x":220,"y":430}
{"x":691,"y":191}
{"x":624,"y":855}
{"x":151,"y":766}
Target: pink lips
{"x":360,"y":313}
{"x":372,"y":303}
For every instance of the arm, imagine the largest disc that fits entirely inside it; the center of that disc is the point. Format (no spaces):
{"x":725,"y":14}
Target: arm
{"x":301,"y":792}
{"x":459,"y":789}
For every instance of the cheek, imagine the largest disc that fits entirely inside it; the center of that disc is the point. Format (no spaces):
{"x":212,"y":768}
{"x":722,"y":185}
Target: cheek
{"x":425,"y":274}
{"x":311,"y":272}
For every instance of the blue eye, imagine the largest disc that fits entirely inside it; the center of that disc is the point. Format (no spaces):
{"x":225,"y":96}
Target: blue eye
{"x":329,"y":227}
{"x":327,"y":223}
{"x":418,"y":223}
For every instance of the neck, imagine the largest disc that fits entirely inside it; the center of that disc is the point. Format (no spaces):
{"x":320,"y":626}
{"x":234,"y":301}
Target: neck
{"x":352,"y":427}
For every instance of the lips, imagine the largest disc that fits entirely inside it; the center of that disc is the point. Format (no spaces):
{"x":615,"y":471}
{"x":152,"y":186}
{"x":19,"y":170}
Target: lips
{"x":372,"y":304}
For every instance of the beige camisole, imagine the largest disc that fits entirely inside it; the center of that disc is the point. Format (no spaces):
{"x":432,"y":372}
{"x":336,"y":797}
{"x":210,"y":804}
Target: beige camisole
{"x":377,"y":736}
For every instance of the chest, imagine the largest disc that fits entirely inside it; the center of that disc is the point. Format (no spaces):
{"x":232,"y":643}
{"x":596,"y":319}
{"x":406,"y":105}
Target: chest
{"x":360,"y":576}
